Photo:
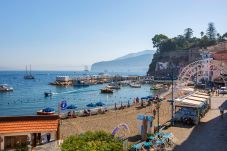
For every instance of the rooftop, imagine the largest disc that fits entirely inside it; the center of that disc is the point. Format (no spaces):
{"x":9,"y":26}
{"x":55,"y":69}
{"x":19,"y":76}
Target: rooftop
{"x":31,"y":124}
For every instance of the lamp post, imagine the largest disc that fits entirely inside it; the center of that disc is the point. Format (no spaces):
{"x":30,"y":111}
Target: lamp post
{"x":157,"y":107}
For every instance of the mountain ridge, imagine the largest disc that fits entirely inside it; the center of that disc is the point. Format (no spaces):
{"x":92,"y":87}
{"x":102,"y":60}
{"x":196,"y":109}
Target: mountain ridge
{"x":133,"y":62}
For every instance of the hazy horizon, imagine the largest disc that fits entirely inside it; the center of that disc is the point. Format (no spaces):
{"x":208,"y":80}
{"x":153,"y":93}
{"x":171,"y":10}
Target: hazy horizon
{"x":57,"y":35}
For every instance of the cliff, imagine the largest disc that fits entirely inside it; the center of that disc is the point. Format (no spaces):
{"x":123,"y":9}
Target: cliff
{"x":165,"y":64}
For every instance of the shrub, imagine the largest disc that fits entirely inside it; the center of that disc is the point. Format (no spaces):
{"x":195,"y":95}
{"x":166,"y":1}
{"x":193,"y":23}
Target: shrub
{"x":92,"y":141}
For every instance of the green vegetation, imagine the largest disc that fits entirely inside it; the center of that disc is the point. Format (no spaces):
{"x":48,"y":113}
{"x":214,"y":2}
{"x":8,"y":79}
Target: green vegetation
{"x":92,"y":141}
{"x":187,"y":41}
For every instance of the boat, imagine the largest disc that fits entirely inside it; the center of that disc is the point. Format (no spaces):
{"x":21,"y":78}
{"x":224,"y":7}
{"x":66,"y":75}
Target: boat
{"x":5,"y":88}
{"x":46,"y":94}
{"x":155,"y":88}
{"x":46,"y":111}
{"x":113,"y":86}
{"x":135,"y":85}
{"x":29,"y":75}
{"x":106,"y":90}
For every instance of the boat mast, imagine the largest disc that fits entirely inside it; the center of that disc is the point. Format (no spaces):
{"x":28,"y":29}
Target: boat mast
{"x":26,"y":70}
{"x":30,"y":70}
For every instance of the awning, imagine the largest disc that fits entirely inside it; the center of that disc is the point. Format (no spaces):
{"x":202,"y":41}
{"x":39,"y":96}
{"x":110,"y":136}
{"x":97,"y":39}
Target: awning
{"x":28,"y":124}
{"x":191,"y":102}
{"x":196,"y":99}
{"x":201,"y":93}
{"x":201,"y":96}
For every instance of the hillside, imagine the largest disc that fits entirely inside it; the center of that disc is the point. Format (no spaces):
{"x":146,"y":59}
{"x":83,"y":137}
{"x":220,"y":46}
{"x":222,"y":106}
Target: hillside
{"x":134,"y":62}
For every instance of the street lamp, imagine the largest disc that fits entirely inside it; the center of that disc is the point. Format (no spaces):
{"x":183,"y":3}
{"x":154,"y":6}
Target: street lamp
{"x":157,"y":107}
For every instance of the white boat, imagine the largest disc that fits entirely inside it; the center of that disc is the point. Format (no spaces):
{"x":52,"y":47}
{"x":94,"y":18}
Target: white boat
{"x":113,"y":86}
{"x":5,"y":88}
{"x":135,"y":85}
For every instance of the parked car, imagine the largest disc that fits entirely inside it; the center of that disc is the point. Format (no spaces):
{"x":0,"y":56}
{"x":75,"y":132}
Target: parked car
{"x":223,"y":90}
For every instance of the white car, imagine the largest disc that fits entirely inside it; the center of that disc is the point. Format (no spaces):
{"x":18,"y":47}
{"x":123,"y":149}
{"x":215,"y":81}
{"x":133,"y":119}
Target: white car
{"x":223,"y":90}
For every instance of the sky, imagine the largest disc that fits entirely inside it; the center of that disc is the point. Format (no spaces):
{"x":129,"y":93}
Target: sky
{"x":67,"y":35}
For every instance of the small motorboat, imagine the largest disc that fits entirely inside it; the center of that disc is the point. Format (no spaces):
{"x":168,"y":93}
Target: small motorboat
{"x":46,"y":111}
{"x":46,"y":94}
{"x":5,"y":88}
{"x":113,"y":86}
{"x":135,"y":85}
{"x":106,"y":90}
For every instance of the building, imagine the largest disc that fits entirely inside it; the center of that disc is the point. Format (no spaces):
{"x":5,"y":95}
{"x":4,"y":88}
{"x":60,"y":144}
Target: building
{"x":19,"y":131}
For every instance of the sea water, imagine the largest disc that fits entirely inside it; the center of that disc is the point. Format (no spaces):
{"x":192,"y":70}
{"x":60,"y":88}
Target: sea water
{"x":28,"y":95}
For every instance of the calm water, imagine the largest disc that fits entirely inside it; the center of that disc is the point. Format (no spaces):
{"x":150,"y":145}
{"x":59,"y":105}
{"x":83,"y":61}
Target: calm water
{"x":28,"y":95}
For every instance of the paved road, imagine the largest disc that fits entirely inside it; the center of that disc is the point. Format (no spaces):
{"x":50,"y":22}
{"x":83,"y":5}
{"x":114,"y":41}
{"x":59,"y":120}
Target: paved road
{"x":210,"y":134}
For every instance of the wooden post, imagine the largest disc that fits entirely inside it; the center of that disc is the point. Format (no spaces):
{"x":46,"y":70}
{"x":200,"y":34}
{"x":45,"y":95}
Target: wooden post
{"x":58,"y":131}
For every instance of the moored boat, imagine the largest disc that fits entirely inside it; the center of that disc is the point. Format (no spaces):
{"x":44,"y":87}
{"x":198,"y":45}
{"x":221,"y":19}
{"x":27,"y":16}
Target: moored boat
{"x":5,"y":88}
{"x":29,"y":75}
{"x":106,"y":90}
{"x":113,"y":86}
{"x":46,"y":94}
{"x":46,"y":111}
{"x":135,"y":85}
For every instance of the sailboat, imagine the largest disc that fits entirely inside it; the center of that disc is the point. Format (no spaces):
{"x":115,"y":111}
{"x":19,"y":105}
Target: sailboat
{"x":28,"y":75}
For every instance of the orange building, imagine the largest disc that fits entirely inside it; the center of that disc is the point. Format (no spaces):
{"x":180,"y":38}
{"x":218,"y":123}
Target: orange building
{"x":19,"y":131}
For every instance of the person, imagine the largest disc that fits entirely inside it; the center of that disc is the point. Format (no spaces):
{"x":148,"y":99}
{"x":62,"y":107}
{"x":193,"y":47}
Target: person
{"x":154,"y":113}
{"x":221,"y":111}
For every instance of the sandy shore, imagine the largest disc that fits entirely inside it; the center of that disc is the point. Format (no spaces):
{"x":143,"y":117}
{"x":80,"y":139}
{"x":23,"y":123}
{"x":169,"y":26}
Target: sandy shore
{"x":113,"y":118}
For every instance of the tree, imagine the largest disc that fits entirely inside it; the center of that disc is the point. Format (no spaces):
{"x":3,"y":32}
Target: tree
{"x":219,"y":37}
{"x":188,"y":33}
{"x":158,"y":40}
{"x":224,"y":36}
{"x":202,"y":34}
{"x":92,"y":141}
{"x":211,"y":32}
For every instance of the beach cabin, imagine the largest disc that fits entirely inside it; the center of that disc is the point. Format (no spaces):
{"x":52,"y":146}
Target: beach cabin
{"x":18,"y":132}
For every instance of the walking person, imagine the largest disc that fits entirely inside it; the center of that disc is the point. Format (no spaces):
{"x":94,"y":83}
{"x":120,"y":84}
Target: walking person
{"x":221,"y":111}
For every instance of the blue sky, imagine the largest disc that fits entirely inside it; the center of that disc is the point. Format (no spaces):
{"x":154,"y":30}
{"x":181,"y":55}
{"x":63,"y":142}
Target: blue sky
{"x":66,"y":35}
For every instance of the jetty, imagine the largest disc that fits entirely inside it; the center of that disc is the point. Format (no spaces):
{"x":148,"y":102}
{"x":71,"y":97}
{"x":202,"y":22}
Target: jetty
{"x":99,"y":79}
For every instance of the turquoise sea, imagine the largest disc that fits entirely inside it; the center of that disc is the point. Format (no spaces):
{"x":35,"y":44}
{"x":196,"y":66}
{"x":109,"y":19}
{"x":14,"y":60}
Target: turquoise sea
{"x":28,"y":95}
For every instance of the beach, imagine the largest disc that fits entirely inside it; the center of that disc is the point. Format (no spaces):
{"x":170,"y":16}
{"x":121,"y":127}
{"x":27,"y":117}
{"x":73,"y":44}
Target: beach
{"x":113,"y":118}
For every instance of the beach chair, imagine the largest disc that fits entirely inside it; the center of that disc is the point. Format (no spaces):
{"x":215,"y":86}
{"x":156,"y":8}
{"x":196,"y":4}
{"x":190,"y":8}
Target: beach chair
{"x":168,"y":140}
{"x":147,"y":145}
{"x":137,"y":147}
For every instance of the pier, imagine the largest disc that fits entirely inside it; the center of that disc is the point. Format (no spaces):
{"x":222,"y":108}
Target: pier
{"x":101,"y":79}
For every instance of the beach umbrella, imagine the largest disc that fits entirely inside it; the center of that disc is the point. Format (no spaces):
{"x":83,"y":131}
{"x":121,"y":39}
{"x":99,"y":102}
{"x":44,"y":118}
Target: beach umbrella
{"x":100,"y":104}
{"x":48,"y":109}
{"x":71,"y":106}
{"x":91,"y":105}
{"x":144,"y":98}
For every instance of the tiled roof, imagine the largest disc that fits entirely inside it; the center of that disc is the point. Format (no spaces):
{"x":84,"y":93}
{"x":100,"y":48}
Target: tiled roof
{"x":32,"y":124}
